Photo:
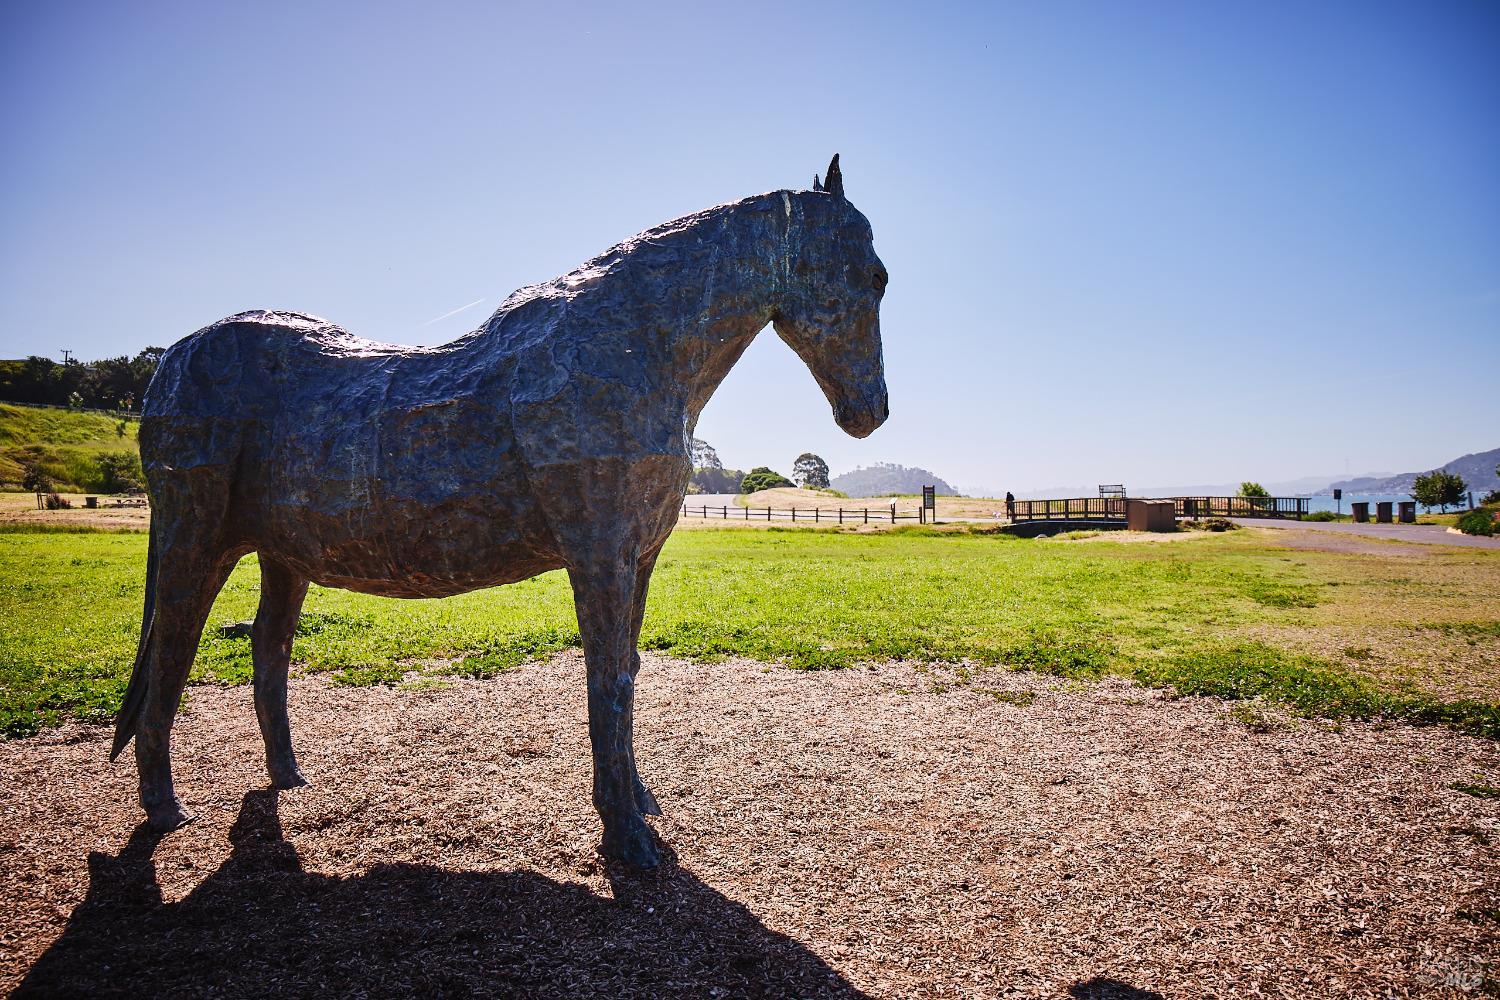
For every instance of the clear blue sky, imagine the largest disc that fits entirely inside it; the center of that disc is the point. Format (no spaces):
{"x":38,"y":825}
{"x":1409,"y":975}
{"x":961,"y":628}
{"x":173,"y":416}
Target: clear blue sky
{"x":1144,"y":242}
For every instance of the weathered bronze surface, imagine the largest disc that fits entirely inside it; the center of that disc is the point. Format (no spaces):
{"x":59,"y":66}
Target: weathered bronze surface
{"x":555,"y":436}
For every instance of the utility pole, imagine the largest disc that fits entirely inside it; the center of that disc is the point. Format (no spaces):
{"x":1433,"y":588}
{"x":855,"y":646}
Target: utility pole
{"x":67,"y":356}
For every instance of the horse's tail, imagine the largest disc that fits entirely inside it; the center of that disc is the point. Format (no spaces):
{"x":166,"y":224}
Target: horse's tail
{"x":135,"y":693}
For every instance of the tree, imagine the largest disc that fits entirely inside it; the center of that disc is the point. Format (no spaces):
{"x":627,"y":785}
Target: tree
{"x":1439,"y":489}
{"x":1259,"y":496}
{"x":101,"y":385}
{"x":709,"y":474}
{"x":762,"y":478}
{"x":704,"y":456}
{"x":716,"y":480}
{"x":34,"y":478}
{"x":810,"y":472}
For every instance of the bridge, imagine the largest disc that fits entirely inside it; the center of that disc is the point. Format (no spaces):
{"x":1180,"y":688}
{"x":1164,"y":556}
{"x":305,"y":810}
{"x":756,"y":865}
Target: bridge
{"x":1113,"y":511}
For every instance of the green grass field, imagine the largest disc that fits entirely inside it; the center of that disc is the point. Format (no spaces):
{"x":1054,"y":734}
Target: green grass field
{"x":1411,"y":636}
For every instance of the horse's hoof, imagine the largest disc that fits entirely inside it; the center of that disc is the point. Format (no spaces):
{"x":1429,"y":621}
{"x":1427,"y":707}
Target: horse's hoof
{"x":168,"y":817}
{"x":636,"y":849}
{"x":287,"y":779}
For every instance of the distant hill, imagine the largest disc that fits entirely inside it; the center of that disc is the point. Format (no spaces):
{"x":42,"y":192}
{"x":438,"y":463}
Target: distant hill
{"x":1478,"y":470}
{"x":884,"y":477}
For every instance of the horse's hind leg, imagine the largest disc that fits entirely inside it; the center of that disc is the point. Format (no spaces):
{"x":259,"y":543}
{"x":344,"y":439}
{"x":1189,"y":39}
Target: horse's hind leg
{"x":281,"y":596}
{"x":188,"y":578}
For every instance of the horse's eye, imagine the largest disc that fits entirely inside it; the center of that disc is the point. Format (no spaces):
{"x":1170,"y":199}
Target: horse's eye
{"x":880,"y":280}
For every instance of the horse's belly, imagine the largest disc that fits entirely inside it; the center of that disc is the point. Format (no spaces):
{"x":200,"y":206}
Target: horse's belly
{"x":405,"y":550}
{"x":434,"y":502}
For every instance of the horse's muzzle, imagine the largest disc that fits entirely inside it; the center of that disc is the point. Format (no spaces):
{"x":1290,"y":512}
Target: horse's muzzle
{"x":862,"y":418}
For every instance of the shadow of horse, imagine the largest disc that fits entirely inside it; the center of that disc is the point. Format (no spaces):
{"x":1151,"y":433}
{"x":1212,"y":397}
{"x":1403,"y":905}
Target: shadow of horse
{"x":263,"y":926}
{"x":1100,"y":988}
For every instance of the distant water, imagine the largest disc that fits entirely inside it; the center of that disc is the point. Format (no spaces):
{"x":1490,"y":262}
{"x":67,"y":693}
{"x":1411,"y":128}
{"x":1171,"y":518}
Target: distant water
{"x":1314,"y":503}
{"x":1328,"y":503}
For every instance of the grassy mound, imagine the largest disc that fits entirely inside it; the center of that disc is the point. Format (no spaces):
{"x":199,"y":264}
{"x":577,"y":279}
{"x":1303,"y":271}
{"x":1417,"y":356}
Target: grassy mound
{"x":67,"y":445}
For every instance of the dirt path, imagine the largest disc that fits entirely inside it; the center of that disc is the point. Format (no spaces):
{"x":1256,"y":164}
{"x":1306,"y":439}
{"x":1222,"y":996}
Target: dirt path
{"x":836,"y":834}
{"x":1421,"y":534}
{"x":20,"y":508}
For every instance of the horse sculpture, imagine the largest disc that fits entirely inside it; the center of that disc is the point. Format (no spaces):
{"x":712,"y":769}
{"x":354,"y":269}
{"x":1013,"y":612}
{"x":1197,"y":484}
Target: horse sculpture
{"x":555,"y":436}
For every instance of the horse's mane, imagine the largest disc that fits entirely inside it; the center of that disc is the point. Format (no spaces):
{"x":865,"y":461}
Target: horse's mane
{"x":659,"y":241}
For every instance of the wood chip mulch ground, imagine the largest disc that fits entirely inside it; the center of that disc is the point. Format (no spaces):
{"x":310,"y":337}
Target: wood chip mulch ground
{"x":854,"y":833}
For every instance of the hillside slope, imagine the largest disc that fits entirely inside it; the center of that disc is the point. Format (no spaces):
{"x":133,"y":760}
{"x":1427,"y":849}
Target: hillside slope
{"x":1478,"y":470}
{"x":65,"y":443}
{"x":885,"y":477}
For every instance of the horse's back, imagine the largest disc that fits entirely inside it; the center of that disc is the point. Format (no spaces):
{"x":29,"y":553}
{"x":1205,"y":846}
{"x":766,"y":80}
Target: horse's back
{"x":354,"y":462}
{"x":240,"y":366}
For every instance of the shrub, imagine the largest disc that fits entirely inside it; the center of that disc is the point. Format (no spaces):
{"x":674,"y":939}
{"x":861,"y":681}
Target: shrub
{"x":762,"y":478}
{"x":55,"y":502}
{"x":119,"y":471}
{"x":1321,"y":515}
{"x":1479,"y":521}
{"x":1209,"y":524}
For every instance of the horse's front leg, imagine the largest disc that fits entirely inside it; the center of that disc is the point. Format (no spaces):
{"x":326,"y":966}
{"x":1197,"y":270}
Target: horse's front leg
{"x":644,"y":800}
{"x":604,"y":592}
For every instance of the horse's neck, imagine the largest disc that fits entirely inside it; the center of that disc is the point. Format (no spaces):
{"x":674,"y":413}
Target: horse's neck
{"x":715,"y":352}
{"x":712,"y":336}
{"x":730,"y":255}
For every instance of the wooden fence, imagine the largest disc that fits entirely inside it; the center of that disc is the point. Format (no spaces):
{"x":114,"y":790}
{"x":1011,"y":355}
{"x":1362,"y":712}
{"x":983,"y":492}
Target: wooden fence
{"x":117,"y":414}
{"x":815,"y":515}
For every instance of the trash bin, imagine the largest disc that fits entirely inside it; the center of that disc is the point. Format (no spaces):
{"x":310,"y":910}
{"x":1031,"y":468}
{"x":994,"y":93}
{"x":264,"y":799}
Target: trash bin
{"x":1361,"y":511}
{"x":1383,"y":512}
{"x":1408,"y":512}
{"x":91,"y":502}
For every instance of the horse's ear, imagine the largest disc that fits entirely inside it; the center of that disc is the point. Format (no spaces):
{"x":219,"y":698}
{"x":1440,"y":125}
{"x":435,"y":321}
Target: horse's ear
{"x":817,"y":184}
{"x":834,"y":185}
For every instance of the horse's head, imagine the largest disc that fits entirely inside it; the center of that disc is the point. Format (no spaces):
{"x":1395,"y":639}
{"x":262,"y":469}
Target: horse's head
{"x":829,"y":308}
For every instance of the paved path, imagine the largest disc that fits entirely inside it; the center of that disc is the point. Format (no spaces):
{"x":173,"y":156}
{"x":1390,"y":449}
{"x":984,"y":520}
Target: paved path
{"x":1423,"y":534}
{"x":712,"y":500}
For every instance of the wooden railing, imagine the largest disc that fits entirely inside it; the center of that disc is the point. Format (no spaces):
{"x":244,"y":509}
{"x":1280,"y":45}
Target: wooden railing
{"x":1113,"y":509}
{"x":1075,"y":509}
{"x":1284,"y":507}
{"x":815,"y":515}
